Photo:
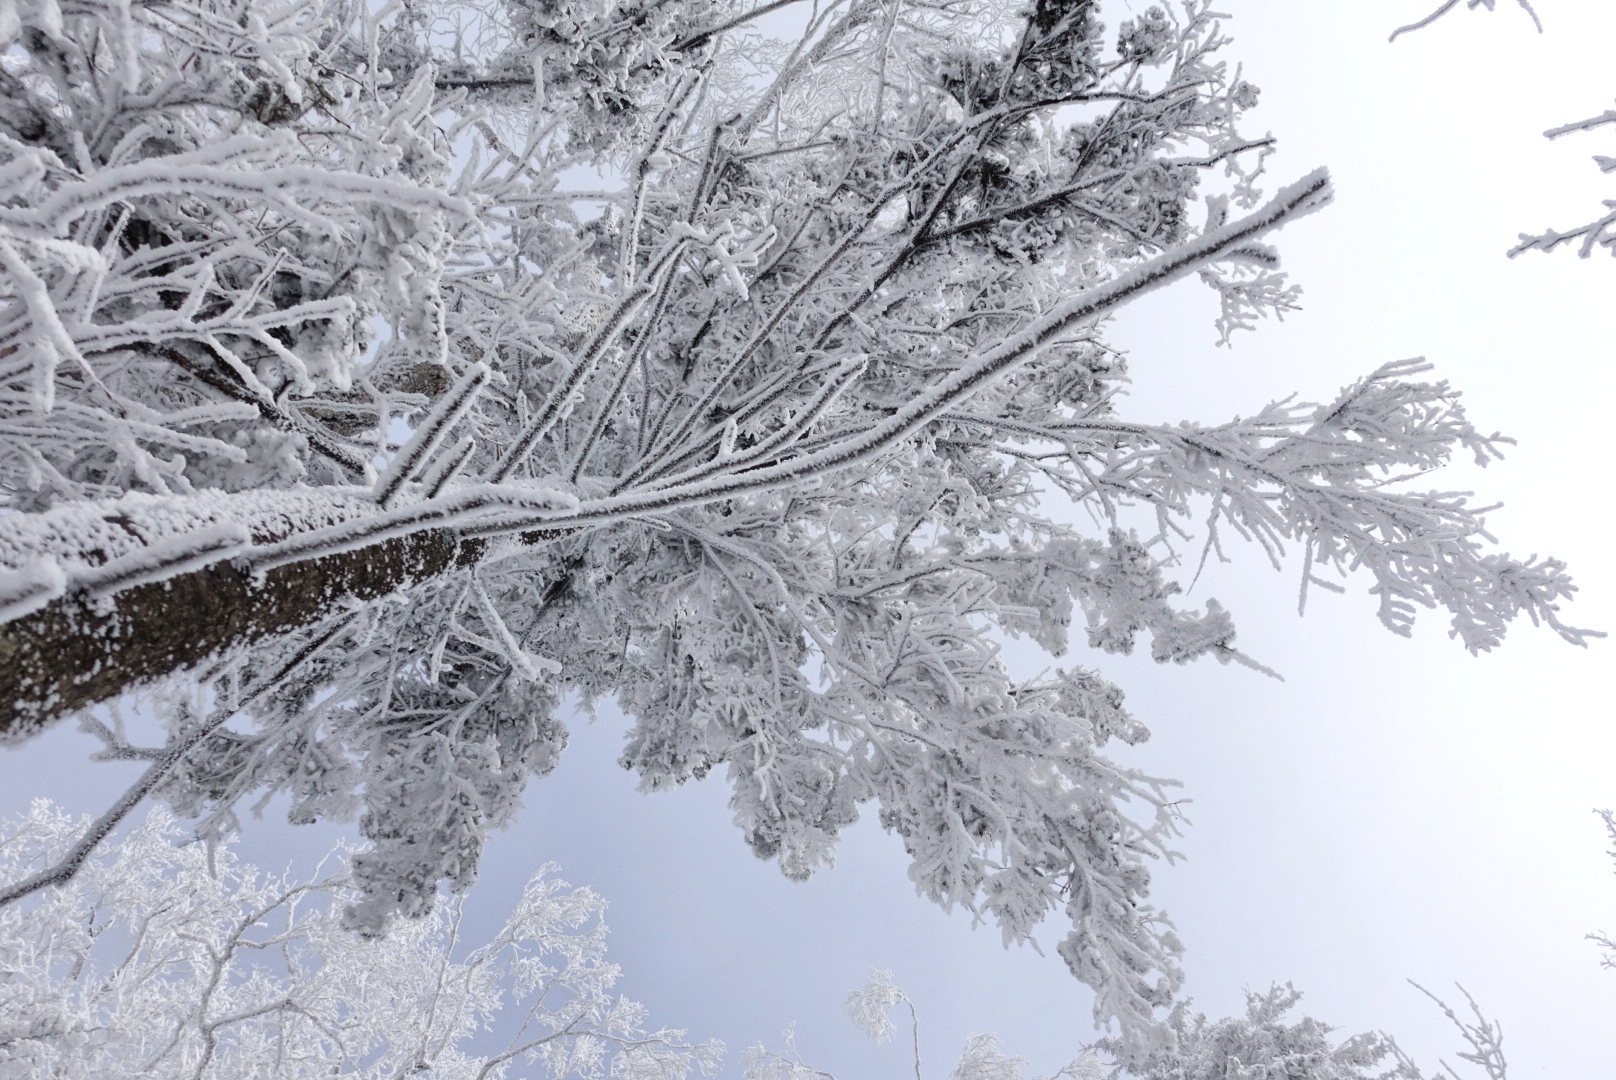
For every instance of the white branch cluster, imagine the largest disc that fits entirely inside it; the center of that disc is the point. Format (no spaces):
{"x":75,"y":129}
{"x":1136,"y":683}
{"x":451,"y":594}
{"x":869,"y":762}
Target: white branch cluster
{"x":170,"y":959}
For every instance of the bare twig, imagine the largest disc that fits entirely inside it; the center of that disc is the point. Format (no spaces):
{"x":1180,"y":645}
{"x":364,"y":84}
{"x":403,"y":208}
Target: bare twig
{"x":1449,"y":5}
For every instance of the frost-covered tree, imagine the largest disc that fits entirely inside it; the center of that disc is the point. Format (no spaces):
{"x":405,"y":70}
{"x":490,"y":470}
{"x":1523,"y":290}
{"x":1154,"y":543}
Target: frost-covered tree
{"x":1261,"y":1045}
{"x":371,"y":376}
{"x":171,"y":959}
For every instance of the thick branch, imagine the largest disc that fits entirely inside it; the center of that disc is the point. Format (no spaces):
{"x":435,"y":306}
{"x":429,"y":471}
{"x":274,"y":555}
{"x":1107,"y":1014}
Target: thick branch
{"x":78,"y":651}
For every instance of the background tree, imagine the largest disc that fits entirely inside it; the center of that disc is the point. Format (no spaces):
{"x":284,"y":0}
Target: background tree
{"x":172,"y":959}
{"x":167,"y":958}
{"x":782,"y":410}
{"x":1260,"y":1044}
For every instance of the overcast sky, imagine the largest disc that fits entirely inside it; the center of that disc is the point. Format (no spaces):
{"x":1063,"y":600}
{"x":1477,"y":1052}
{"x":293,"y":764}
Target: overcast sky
{"x":1396,"y":808}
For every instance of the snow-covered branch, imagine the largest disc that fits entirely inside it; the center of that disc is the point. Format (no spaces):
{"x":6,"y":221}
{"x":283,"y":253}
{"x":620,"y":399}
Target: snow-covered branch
{"x":171,"y":959}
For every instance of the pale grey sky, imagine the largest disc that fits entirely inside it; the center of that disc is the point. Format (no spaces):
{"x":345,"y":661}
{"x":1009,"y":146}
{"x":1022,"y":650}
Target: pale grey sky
{"x":1396,"y":808}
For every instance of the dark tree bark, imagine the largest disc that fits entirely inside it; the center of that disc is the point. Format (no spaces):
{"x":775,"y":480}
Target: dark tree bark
{"x":78,"y":650}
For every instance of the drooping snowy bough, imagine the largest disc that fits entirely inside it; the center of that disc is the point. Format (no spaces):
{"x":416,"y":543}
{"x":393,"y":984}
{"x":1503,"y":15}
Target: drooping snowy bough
{"x":388,"y":371}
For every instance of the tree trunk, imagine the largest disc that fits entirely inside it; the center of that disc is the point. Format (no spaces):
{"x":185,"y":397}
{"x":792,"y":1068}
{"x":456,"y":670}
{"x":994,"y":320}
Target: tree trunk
{"x":89,"y":644}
